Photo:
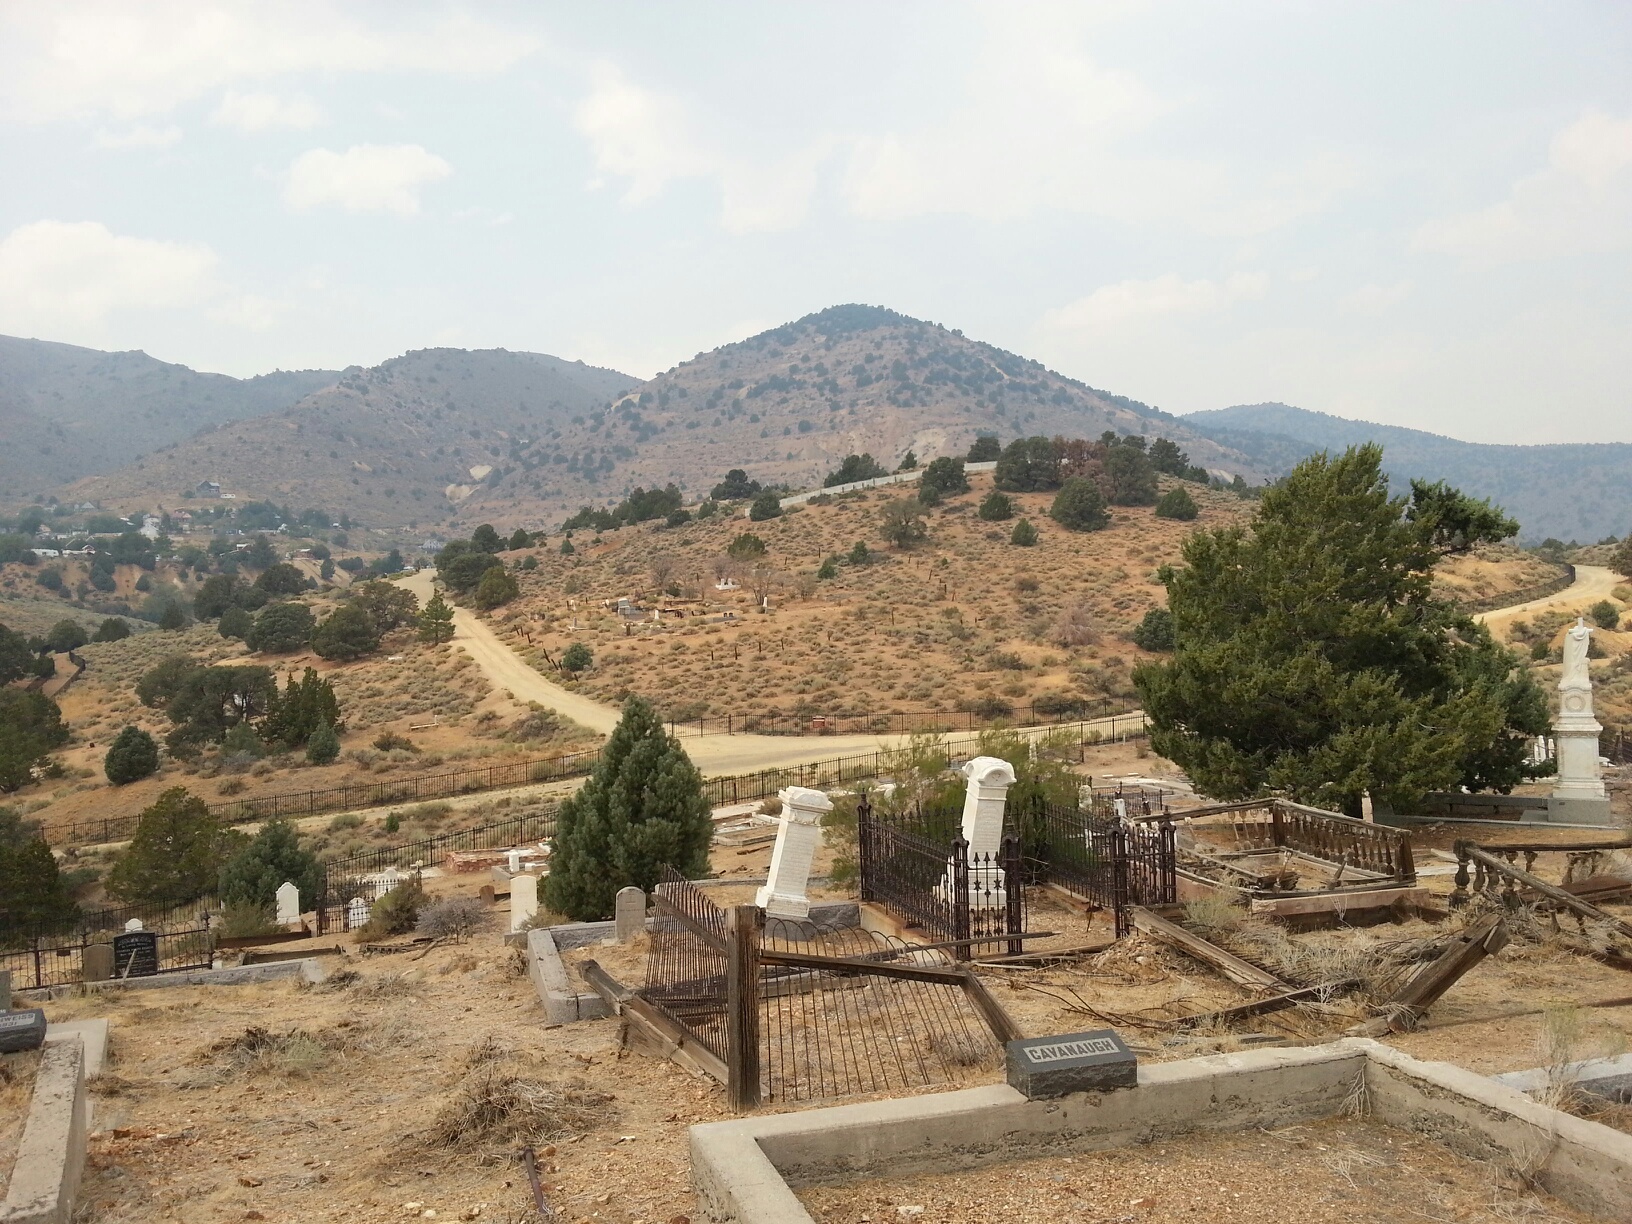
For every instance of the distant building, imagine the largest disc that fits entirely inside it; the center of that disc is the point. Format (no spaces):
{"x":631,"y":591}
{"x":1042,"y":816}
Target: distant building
{"x":46,"y":552}
{"x":150,"y":528}
{"x":208,"y":488}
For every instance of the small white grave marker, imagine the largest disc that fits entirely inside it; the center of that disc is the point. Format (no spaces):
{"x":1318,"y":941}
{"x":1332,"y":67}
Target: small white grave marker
{"x":288,"y":903}
{"x":523,"y":901}
{"x":357,"y":913}
{"x":785,"y":892}
{"x":630,"y":913}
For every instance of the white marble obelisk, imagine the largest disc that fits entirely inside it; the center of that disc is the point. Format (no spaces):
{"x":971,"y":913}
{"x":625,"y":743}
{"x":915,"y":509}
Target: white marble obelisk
{"x":1578,"y":795}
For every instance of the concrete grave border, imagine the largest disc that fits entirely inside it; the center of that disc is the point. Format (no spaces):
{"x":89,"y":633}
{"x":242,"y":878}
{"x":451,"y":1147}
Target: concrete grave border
{"x":309,"y":970}
{"x":744,"y":1169}
{"x":51,"y":1155}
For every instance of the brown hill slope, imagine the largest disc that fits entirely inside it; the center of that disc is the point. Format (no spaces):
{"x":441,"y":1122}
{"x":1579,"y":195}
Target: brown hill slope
{"x":458,"y":438}
{"x":67,"y":412}
{"x":392,"y":445}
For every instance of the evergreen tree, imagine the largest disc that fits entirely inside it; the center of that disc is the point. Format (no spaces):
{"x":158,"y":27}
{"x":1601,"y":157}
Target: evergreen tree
{"x":324,"y":745}
{"x":345,"y":634}
{"x":175,"y":856}
{"x":32,"y":890}
{"x":305,"y":705}
{"x":254,"y":874}
{"x":281,"y":628}
{"x":995,"y":507}
{"x":1176,"y":504}
{"x":520,"y":539}
{"x":642,"y":808}
{"x":1621,"y":562}
{"x":30,"y":726}
{"x":133,"y":755}
{"x":436,"y":621}
{"x":766,"y":506}
{"x":1155,"y":632}
{"x":113,"y":629}
{"x":486,"y":540}
{"x":173,"y":619}
{"x":901,"y":524}
{"x":1028,"y":465}
{"x":576,"y":658}
{"x":1130,"y":480}
{"x":1312,"y":659}
{"x":1078,"y":506}
{"x":497,"y":587}
{"x":909,"y":462}
{"x":66,"y":635}
{"x":16,"y":659}
{"x":1024,"y":534}
{"x":985,"y":449}
{"x":237,"y":623}
{"x":946,"y":476}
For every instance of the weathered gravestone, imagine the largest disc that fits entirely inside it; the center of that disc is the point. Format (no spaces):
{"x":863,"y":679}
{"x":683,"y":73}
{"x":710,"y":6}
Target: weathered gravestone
{"x":96,"y":963}
{"x":136,"y":954}
{"x":22,"y":1030}
{"x":288,"y":904}
{"x":5,"y":990}
{"x":523,"y":901}
{"x":1074,"y":1062}
{"x":630,"y":913}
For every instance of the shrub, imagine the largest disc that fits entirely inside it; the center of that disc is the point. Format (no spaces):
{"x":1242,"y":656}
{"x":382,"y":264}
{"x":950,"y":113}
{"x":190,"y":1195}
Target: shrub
{"x":828,"y":569}
{"x":236,"y":623}
{"x":66,"y":635}
{"x":456,"y":918}
{"x":929,"y":496}
{"x":990,"y":706}
{"x":1076,"y":626}
{"x":1078,"y":506}
{"x":497,"y":587}
{"x":1155,"y":632}
{"x":389,"y":741}
{"x":393,"y":823}
{"x":323,"y":746}
{"x":995,"y":507}
{"x":766,"y":506}
{"x":576,"y":658}
{"x":1176,"y":504}
{"x":746,"y":547}
{"x":1024,"y":534}
{"x":946,"y":476}
{"x":1605,"y":614}
{"x":901,"y":524}
{"x":678,"y":519}
{"x":344,"y":821}
{"x":112,"y":630}
{"x":396,"y":913}
{"x":132,"y":756}
{"x":860,"y":554}
{"x":245,"y":920}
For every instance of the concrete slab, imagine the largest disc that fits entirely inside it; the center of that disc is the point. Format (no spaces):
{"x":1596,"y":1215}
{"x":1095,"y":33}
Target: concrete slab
{"x":51,"y":1155}
{"x":92,"y":1034}
{"x":308,"y":970}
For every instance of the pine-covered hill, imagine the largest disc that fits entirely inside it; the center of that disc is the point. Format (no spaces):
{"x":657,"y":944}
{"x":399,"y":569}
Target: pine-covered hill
{"x":67,"y":412}
{"x":449,"y":439}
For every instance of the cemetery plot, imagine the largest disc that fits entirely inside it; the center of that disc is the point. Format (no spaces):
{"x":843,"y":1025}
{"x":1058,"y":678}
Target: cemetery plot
{"x":1336,"y":1171}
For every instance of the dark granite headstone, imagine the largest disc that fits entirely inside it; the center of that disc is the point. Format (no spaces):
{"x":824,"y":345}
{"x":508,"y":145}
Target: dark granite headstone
{"x":1073,"y":1062}
{"x":136,"y":954}
{"x":22,"y":1030}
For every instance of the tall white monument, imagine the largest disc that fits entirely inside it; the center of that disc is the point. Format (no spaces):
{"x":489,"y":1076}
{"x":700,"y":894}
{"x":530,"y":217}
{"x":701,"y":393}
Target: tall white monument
{"x":785,"y":894}
{"x":1579,"y":796}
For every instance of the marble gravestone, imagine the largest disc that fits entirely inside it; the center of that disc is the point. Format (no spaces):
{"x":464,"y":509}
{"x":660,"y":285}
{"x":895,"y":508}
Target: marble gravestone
{"x":629,"y":913}
{"x":799,"y":830}
{"x":1578,"y":796}
{"x":523,"y":901}
{"x":22,"y":1030}
{"x":288,"y":904}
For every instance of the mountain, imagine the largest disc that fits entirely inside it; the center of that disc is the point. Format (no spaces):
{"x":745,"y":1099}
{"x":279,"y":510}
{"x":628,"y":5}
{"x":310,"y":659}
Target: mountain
{"x":392,"y":445}
{"x":1567,"y":491}
{"x":457,"y":438}
{"x":69,"y":412}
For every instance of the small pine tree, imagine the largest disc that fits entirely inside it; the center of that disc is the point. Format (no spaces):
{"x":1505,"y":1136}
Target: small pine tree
{"x":323,"y":746}
{"x":436,"y":621}
{"x":576,"y":658}
{"x":996,"y":507}
{"x":567,"y":549}
{"x":1024,"y":534}
{"x":132,"y":756}
{"x":176,"y":854}
{"x":829,"y":569}
{"x":520,"y":539}
{"x":254,"y":874}
{"x":1177,"y":504}
{"x":642,"y":808}
{"x":1079,"y":506}
{"x":173,"y":619}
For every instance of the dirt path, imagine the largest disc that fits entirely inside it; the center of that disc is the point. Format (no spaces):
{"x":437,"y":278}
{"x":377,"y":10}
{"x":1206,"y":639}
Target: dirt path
{"x":714,"y":754}
{"x":1592,"y":583}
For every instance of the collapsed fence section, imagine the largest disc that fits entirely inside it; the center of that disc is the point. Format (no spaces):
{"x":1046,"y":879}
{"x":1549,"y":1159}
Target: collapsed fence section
{"x":791,"y":1011}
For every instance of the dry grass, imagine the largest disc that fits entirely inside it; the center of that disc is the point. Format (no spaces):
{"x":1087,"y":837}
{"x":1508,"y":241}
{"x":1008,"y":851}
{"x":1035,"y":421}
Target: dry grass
{"x":496,"y":1105}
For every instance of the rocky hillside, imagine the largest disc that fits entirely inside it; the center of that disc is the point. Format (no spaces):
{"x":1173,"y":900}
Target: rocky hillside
{"x":452,"y":438}
{"x":1568,"y":492}
{"x":68,"y":412}
{"x":402,"y":443}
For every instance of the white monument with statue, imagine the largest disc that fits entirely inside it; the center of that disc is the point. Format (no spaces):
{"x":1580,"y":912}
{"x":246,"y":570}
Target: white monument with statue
{"x":1578,"y":795}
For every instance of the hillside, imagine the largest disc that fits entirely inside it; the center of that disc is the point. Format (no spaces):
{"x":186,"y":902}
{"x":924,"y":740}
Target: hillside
{"x":394,"y":445}
{"x":69,"y":412}
{"x":1571,"y":491}
{"x":456,"y":438}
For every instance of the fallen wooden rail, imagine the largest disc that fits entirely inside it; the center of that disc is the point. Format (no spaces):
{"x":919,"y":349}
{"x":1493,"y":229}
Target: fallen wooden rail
{"x":1406,"y":1004}
{"x":1274,"y":1003}
{"x":1231,"y":966}
{"x":1467,"y":852}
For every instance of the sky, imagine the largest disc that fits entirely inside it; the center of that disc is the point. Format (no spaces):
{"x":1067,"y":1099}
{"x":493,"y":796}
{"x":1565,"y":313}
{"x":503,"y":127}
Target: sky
{"x":1418,"y":214}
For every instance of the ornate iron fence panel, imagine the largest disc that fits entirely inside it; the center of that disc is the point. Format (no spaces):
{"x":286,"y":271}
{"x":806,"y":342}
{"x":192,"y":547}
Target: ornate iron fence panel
{"x":686,"y":970}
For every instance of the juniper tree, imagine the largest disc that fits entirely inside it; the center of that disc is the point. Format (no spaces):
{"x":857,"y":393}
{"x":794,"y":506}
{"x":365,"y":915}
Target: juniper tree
{"x":254,"y":874}
{"x":642,"y":808}
{"x":1311,"y":657}
{"x":176,"y":854}
{"x":436,"y":621}
{"x":132,"y":756}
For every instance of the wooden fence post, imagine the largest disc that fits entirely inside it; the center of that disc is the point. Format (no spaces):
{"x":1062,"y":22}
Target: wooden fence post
{"x":743,"y":924}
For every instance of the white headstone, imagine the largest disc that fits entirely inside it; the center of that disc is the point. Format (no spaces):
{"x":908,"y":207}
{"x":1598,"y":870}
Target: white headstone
{"x":357,"y":913}
{"x":523,"y":901}
{"x":135,"y":924}
{"x":288,"y":903}
{"x":630,"y":913}
{"x":785,"y":893}
{"x":1580,"y":773}
{"x":514,"y":859}
{"x":983,"y":802}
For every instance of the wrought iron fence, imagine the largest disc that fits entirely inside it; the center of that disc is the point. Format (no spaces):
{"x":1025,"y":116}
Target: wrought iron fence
{"x":1121,"y":722}
{"x":59,"y":959}
{"x":686,"y":969}
{"x":1108,"y":862}
{"x":1280,"y":824}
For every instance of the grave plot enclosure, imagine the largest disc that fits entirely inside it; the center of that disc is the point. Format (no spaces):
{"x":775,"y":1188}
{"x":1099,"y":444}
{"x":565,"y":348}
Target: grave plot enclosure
{"x":786,"y":1011}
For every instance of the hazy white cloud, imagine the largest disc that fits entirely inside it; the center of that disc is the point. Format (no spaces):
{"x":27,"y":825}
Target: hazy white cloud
{"x":77,"y":58}
{"x":1135,"y":300}
{"x":139,"y":137}
{"x":260,"y":112}
{"x":249,"y":312}
{"x":651,"y":140}
{"x":1379,"y":299}
{"x":365,"y":178}
{"x":71,"y":273}
{"x":1581,"y":203}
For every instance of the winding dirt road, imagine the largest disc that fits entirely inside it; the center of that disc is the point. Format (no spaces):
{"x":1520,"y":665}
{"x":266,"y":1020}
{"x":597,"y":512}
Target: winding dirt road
{"x":713,"y":754}
{"x":1592,"y":583}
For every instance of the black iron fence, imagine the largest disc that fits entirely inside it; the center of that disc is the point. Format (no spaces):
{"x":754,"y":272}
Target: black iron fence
{"x":1108,"y":862}
{"x":1059,"y":712}
{"x":59,"y":959}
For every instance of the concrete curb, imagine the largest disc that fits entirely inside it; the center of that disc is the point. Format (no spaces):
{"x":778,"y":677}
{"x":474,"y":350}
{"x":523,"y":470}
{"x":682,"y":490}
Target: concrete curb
{"x":562,"y":1005}
{"x":309,"y":970}
{"x":92,"y":1034}
{"x":744,"y":1169}
{"x":51,"y":1155}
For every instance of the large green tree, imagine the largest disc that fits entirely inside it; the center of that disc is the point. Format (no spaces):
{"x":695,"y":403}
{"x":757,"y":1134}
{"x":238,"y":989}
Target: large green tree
{"x":436,"y":621}
{"x":642,"y":808}
{"x":254,"y":874}
{"x":281,"y":628}
{"x":33,"y":893}
{"x":1311,"y":658}
{"x":176,"y":854}
{"x":346,"y":633}
{"x":30,"y":726}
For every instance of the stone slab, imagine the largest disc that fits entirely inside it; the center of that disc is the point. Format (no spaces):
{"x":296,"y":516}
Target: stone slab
{"x":22,"y":1030}
{"x":1574,"y":811}
{"x":96,"y":963}
{"x":51,"y":1154}
{"x":91,"y":1034}
{"x":310,"y":970}
{"x":1610,"y":1078}
{"x":1096,"y":1061}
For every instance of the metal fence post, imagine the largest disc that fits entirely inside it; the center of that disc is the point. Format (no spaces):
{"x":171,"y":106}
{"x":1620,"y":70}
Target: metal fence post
{"x":743,"y":924}
{"x":960,"y":899}
{"x":1014,"y":917}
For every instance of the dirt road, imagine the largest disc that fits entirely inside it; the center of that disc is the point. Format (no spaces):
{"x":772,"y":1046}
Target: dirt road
{"x":714,"y":754}
{"x":1592,"y":583}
